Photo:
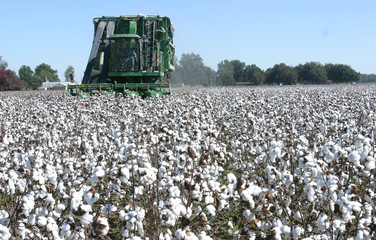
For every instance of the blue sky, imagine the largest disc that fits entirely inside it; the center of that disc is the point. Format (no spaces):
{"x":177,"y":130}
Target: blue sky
{"x":267,"y":32}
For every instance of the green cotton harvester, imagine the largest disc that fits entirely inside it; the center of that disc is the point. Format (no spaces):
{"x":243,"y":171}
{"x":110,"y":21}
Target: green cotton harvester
{"x":131,"y":55}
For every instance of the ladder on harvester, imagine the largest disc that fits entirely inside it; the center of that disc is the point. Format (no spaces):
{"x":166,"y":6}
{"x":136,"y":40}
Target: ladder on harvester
{"x":108,"y":28}
{"x":150,"y":45}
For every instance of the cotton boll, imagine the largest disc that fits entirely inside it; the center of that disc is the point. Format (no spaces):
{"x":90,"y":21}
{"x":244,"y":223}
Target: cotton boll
{"x":364,"y":153}
{"x":124,"y":174}
{"x":332,"y":188}
{"x":125,"y":233}
{"x":100,"y":226}
{"x":370,"y":163}
{"x":209,"y":200}
{"x":207,"y":228}
{"x":223,"y":202}
{"x":277,"y":233}
{"x":197,"y":193}
{"x":21,"y":230}
{"x":232,"y":180}
{"x":28,"y":204}
{"x":109,"y":209}
{"x":297,"y":232}
{"x":82,"y":212}
{"x":277,"y":223}
{"x":138,"y":191}
{"x":90,"y":196}
{"x":360,"y":235}
{"x":173,"y":202}
{"x":368,"y":209}
{"x":347,"y":213}
{"x":165,"y":235}
{"x":140,"y":228}
{"x":32,"y":219}
{"x":210,"y":210}
{"x":354,"y":157}
{"x":123,"y":215}
{"x":310,"y":191}
{"x":273,"y":155}
{"x":50,"y":200}
{"x":41,"y":211}
{"x":168,"y":218}
{"x":329,"y":157}
{"x":254,"y":190}
{"x":180,"y":234}
{"x":203,"y":236}
{"x":364,"y":222}
{"x":356,"y":206}
{"x":196,"y":211}
{"x":51,"y":174}
{"x":98,"y":173}
{"x":286,"y":230}
{"x":179,"y":210}
{"x":11,"y":186}
{"x":309,"y":228}
{"x":271,"y":171}
{"x":66,"y":231}
{"x":149,"y":176}
{"x":297,"y":216}
{"x":287,"y":178}
{"x":359,"y":141}
{"x":4,"y":232}
{"x":230,"y":224}
{"x":52,"y":226}
{"x":246,"y":196}
{"x":278,"y":151}
{"x":214,"y":186}
{"x":140,"y":213}
{"x":4,"y":217}
{"x":174,"y":192}
{"x":338,"y":225}
{"x":248,"y":215}
{"x":308,"y":176}
{"x":59,"y":208}
{"x":86,"y":219}
{"x":322,"y":222}
{"x":76,"y":200}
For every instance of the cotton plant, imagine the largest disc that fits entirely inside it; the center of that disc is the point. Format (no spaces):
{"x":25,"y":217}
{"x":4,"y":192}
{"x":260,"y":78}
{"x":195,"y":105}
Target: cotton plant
{"x":289,"y":163}
{"x":133,"y":221}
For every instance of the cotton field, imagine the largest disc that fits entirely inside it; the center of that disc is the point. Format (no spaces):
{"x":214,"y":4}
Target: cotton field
{"x":223,"y":163}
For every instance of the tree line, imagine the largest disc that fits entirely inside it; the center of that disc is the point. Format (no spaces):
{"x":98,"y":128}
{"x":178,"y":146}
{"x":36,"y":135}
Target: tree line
{"x":27,"y":78}
{"x":190,"y":70}
{"x":368,"y":78}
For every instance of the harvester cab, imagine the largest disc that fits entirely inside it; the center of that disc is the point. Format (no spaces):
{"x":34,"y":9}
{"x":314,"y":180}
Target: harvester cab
{"x":131,"y":55}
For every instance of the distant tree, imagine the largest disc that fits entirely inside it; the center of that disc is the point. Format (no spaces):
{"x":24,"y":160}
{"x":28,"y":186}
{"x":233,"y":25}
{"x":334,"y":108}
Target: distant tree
{"x":225,"y":73}
{"x":3,"y":63}
{"x":368,"y":77}
{"x":341,"y":73}
{"x":192,"y":70}
{"x":176,"y":76}
{"x":238,"y":67}
{"x":28,"y":76}
{"x":281,"y":73}
{"x":311,"y":72}
{"x":44,"y":71}
{"x":253,"y":74}
{"x":9,"y":81}
{"x":68,"y":73}
{"x":211,"y":75}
